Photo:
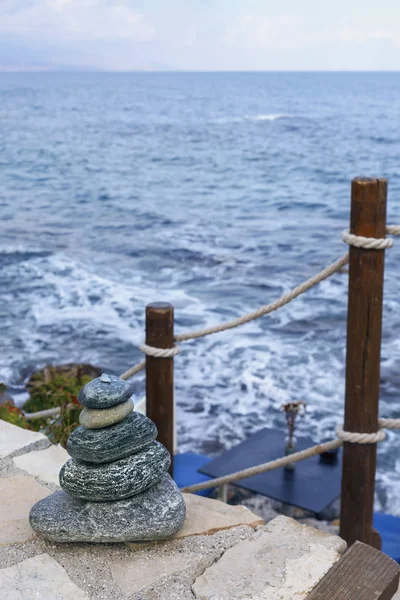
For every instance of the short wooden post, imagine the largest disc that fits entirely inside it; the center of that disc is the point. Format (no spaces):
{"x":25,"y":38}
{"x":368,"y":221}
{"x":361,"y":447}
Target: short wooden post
{"x":160,"y":373}
{"x":364,"y":329}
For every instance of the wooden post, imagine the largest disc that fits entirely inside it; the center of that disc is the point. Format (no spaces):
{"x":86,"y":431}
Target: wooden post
{"x":364,"y":329}
{"x":160,"y":373}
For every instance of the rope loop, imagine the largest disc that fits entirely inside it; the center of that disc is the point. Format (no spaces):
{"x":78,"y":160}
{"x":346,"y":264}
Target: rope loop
{"x":389,"y":423}
{"x":360,"y":438}
{"x":159,"y":352}
{"x":358,"y":241}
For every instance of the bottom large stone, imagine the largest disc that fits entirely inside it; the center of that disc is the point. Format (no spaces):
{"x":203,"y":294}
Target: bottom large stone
{"x":155,"y":514}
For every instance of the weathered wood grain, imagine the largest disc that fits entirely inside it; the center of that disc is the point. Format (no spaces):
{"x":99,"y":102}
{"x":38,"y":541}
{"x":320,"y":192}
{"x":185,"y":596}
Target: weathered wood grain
{"x":364,"y":329}
{"x":160,"y":374}
{"x":363,"y":573}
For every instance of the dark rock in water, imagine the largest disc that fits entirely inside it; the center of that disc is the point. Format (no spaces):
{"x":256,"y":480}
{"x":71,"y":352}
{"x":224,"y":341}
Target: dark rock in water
{"x":112,"y":443}
{"x":155,"y":514}
{"x":116,"y":480}
{"x":105,"y":391}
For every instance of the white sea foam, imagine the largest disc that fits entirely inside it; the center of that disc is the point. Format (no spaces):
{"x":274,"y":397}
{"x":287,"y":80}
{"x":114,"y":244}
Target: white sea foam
{"x":267,"y":117}
{"x":257,"y":117}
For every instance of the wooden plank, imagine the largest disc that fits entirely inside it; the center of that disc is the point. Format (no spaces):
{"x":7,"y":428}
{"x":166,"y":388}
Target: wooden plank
{"x":363,"y":573}
{"x":364,"y":328}
{"x":160,"y":374}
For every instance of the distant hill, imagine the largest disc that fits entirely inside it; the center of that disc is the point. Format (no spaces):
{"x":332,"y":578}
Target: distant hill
{"x":21,"y":57}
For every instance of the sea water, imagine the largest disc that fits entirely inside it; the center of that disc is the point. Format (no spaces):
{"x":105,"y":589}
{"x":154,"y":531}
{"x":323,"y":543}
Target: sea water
{"x":217,"y":193}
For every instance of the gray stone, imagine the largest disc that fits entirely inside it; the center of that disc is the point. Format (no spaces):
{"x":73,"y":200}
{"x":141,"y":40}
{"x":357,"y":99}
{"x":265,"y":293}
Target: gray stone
{"x":156,"y":514}
{"x":114,"y":442}
{"x":205,"y":516}
{"x":104,"y":392}
{"x":123,"y":478}
{"x":96,"y":418}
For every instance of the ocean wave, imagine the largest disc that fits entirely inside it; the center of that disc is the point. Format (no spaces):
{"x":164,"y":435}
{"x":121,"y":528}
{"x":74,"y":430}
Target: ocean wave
{"x":268,"y":117}
{"x":257,"y":117}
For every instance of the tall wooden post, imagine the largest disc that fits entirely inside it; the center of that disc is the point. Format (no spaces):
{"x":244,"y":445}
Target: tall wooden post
{"x":160,"y":373}
{"x":364,"y":329}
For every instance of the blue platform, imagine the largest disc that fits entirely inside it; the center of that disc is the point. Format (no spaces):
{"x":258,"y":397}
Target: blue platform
{"x":388,"y":527}
{"x":186,"y":473}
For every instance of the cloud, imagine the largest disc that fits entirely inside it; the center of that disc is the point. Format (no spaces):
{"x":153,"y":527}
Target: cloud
{"x":71,"y":20}
{"x":283,"y":31}
{"x":356,"y":36}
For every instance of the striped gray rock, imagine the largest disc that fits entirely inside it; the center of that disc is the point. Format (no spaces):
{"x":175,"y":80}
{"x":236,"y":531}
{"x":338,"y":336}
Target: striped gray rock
{"x":116,"y":480}
{"x":156,"y":514}
{"x":96,"y":418}
{"x":105,"y":391}
{"x":112,"y":443}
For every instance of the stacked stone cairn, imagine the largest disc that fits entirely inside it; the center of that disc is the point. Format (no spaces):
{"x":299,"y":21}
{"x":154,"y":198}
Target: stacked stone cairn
{"x":116,"y":486}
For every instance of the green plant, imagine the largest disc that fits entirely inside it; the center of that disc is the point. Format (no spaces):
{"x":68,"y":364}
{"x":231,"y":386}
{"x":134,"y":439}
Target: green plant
{"x":60,"y":428}
{"x":10,"y":413}
{"x":53,"y":387}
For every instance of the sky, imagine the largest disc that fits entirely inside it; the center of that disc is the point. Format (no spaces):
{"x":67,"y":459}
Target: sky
{"x":203,"y":35}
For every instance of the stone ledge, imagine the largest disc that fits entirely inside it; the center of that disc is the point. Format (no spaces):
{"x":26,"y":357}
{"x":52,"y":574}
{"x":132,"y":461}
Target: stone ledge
{"x":38,"y":577}
{"x":205,"y":516}
{"x":283,"y":561}
{"x":45,"y":464}
{"x":14,"y":438}
{"x":17,"y":496}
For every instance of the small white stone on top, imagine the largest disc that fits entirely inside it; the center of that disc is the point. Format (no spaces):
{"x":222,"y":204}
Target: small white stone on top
{"x":105,"y":378}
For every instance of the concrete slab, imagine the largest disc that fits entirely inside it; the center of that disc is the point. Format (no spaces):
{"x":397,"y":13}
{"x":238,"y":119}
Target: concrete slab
{"x":283,"y":561}
{"x":45,"y":465}
{"x":17,"y":495}
{"x":14,"y":438}
{"x":40,"y":577}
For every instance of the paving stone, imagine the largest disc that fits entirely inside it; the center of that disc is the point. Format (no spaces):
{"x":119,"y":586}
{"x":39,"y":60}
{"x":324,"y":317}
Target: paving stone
{"x":14,"y":438}
{"x":43,"y":464}
{"x":205,"y":516}
{"x":283,"y":561}
{"x":167,"y":571}
{"x":17,"y":496}
{"x":40,"y":577}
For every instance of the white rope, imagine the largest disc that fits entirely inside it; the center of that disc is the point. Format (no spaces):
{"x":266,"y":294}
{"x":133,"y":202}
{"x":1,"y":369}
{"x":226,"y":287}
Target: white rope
{"x":159,"y":352}
{"x":269,"y":308}
{"x":263,"y":468}
{"x":389,"y":423}
{"x":367,"y":243}
{"x":352,"y":240}
{"x":393,"y":229}
{"x":343,"y":436}
{"x":360,"y":438}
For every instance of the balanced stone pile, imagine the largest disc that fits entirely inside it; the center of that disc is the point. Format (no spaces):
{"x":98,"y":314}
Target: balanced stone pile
{"x":116,"y":486}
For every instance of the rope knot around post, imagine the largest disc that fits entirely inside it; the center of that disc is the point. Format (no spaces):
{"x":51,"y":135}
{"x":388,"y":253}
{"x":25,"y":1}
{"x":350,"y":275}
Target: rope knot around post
{"x":371,"y":243}
{"x":360,"y":438}
{"x":159,"y":352}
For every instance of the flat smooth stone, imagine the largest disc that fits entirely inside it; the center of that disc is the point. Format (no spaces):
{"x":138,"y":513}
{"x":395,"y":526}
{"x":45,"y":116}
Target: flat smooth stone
{"x":96,"y":418}
{"x":116,"y":480}
{"x":156,"y":514}
{"x":105,"y":391}
{"x":112,"y":443}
